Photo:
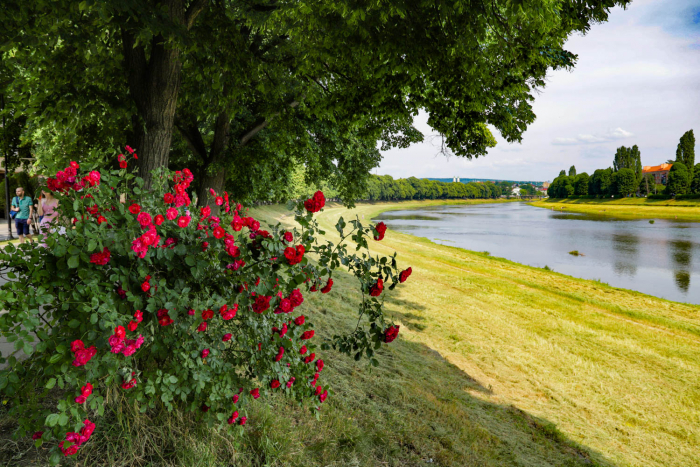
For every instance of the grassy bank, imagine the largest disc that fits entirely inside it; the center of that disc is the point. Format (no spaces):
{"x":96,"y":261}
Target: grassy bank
{"x":628,"y":207}
{"x":497,"y":364}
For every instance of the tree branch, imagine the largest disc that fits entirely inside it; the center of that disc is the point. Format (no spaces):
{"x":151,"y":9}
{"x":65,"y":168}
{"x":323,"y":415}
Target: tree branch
{"x":195,"y":8}
{"x":263,"y":122}
{"x":193,"y":137}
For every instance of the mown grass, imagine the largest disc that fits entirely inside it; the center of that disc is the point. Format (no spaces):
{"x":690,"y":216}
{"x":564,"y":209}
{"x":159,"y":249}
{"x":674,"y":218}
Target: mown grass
{"x":497,"y":364}
{"x":628,"y":207}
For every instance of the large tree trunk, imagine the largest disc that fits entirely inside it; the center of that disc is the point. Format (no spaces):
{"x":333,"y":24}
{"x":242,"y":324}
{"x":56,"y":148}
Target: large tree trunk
{"x":154,"y":85}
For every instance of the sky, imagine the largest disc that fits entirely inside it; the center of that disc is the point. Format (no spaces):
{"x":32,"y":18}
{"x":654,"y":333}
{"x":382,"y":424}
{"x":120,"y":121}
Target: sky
{"x":637,"y":81}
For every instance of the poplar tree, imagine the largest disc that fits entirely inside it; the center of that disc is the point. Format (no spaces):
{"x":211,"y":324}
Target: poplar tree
{"x":685,"y":152}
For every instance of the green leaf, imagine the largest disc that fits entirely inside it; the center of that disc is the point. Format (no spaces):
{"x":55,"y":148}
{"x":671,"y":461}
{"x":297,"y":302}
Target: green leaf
{"x":52,"y":419}
{"x":74,"y":261}
{"x":55,"y":358}
{"x":63,"y":419}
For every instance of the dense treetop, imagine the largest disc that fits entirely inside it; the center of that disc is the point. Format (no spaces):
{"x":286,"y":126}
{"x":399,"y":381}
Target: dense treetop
{"x":253,"y":88}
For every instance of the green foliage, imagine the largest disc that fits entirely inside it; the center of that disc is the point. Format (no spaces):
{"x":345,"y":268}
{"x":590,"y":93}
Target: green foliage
{"x":103,"y":263}
{"x":572,"y":171}
{"x":319,"y":83}
{"x":695,"y":184}
{"x":628,"y":158}
{"x":581,"y":184}
{"x":624,"y":182}
{"x":685,"y":153}
{"x":561,"y":187}
{"x":678,"y":180}
{"x":386,"y":188}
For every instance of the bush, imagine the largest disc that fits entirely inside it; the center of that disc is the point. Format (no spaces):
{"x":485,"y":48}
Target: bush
{"x":171,"y":308}
{"x":659,"y":197}
{"x":692,"y":196}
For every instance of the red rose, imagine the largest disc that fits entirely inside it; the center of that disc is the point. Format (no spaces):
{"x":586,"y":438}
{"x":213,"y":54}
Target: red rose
{"x":303,"y":349}
{"x":207,"y":314}
{"x":101,"y":258}
{"x":296,"y":298}
{"x":219,"y":201}
{"x":381,"y":229}
{"x":316,"y":202}
{"x":403,"y":275}
{"x":83,"y":356}
{"x":328,"y":286}
{"x":280,"y":354}
{"x":101,"y":219}
{"x":205,"y":353}
{"x":128,"y":148}
{"x":159,"y":219}
{"x":228,"y":313}
{"x":132,"y":326}
{"x":190,"y":312}
{"x":275,"y":384}
{"x":171,"y":213}
{"x":219,"y":232}
{"x":74,"y":165}
{"x":227,"y":337}
{"x":233,"y":418}
{"x":38,"y":434}
{"x":235,"y":398}
{"x":255,"y":393}
{"x":145,"y":286}
{"x":183,"y":221}
{"x":390,"y":333}
{"x":376,"y":289}
{"x":202,"y":326}
{"x":322,"y":397}
{"x":76,"y":345}
{"x":138,"y":316}
{"x":310,"y":358}
{"x":319,"y":365}
{"x":288,"y":237}
{"x":134,"y":209}
{"x":299,"y":320}
{"x":307,"y":335}
{"x":120,"y":332}
{"x":168,"y":198}
{"x":243,"y":420}
{"x":261,"y":304}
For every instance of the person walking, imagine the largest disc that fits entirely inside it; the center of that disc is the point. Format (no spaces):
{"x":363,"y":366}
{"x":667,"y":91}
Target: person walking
{"x":24,"y":207}
{"x":47,"y":213}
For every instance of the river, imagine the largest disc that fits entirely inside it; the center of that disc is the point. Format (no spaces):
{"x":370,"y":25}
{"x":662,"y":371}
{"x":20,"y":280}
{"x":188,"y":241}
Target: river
{"x":661,"y":259}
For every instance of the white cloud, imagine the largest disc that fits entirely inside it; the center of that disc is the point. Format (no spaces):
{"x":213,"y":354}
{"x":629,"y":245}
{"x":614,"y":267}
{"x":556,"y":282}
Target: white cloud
{"x":637,"y":75}
{"x":611,"y":135}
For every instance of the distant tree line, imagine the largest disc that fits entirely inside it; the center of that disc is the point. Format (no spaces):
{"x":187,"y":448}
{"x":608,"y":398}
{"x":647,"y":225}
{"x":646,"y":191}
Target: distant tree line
{"x":626,"y":178}
{"x":386,"y":188}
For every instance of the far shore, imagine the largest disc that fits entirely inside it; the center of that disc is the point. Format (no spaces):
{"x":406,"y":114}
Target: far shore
{"x":640,"y":208}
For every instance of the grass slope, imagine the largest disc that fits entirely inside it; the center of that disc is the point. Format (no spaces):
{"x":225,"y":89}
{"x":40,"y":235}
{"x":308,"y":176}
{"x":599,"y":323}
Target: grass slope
{"x":628,"y":207}
{"x":497,"y":364}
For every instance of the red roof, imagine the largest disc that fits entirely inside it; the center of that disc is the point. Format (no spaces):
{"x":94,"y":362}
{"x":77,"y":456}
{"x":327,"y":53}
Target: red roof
{"x":657,"y":168}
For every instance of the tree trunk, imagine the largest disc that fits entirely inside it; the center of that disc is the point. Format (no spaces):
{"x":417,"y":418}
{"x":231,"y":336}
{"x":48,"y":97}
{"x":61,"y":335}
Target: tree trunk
{"x":154,"y":84}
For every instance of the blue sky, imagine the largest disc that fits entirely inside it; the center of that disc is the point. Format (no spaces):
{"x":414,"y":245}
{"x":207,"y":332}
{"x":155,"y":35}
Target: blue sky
{"x":637,"y":81}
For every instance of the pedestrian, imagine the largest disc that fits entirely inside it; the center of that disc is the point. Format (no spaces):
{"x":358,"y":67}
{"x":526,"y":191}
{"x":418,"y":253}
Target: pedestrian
{"x":24,"y":207}
{"x":47,"y":213}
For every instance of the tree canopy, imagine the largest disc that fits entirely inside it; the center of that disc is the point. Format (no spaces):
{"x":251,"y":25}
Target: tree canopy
{"x":271,"y":84}
{"x":685,"y":153}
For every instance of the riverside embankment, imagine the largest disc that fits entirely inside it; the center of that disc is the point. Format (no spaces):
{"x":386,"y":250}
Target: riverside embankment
{"x":610,"y":374}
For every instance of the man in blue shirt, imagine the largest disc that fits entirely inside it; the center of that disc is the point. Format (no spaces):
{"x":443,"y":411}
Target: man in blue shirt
{"x":24,"y":207}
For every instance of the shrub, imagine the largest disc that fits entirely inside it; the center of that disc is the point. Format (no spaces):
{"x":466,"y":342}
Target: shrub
{"x":172,"y":306}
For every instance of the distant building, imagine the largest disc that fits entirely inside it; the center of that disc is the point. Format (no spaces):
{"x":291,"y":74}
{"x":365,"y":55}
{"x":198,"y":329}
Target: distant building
{"x":515,"y":192}
{"x":455,"y":179}
{"x":545,"y":185}
{"x":659,"y":172}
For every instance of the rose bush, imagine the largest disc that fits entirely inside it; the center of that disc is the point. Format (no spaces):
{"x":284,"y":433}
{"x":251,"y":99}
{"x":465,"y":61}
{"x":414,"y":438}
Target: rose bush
{"x":142,"y":292}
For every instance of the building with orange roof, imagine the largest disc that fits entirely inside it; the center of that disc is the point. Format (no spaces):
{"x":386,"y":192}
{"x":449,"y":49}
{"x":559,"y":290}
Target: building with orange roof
{"x":659,"y":172}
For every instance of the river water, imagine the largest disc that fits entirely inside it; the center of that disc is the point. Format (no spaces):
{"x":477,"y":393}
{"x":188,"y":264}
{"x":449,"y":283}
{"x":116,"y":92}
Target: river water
{"x":661,"y":259}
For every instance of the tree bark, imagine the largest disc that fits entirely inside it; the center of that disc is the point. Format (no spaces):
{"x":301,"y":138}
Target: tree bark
{"x":217,"y":179}
{"x":154,"y":84}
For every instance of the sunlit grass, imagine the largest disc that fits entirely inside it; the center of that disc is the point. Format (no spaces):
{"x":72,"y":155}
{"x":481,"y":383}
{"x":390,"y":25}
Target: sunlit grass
{"x":497,"y":364}
{"x":628,"y":207}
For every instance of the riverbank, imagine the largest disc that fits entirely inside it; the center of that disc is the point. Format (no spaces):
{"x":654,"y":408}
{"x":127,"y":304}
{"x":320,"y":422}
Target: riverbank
{"x":640,"y":208}
{"x":610,"y":370}
{"x":497,"y":364}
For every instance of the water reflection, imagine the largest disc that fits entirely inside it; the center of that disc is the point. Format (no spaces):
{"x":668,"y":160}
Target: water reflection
{"x":626,"y":252}
{"x":629,"y":253}
{"x":682,"y":255}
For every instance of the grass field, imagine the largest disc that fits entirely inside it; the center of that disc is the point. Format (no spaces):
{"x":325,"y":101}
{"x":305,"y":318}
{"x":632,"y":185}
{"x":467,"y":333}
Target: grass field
{"x":497,"y":364}
{"x":628,"y":207}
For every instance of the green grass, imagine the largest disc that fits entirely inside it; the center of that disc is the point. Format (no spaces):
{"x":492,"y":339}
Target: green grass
{"x":497,"y":364}
{"x":628,"y":207}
